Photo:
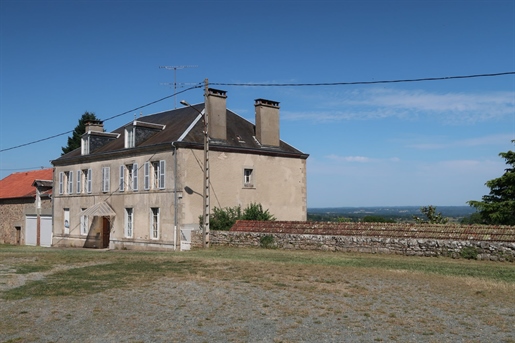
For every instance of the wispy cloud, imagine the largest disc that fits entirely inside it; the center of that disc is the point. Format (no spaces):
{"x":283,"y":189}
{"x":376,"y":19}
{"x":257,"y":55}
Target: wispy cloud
{"x":464,"y":143}
{"x":451,"y":108}
{"x":359,"y":159}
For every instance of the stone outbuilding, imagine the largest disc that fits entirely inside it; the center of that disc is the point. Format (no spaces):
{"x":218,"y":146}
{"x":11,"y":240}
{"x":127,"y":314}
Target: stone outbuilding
{"x":26,"y":208}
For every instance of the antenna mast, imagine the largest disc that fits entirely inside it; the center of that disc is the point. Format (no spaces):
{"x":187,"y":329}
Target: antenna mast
{"x":174,"y":68}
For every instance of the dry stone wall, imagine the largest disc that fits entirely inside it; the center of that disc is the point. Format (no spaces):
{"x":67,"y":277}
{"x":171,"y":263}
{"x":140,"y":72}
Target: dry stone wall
{"x":480,"y":242}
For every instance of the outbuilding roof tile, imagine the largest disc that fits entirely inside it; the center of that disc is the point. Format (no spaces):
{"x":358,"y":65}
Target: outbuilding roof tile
{"x":20,"y":185}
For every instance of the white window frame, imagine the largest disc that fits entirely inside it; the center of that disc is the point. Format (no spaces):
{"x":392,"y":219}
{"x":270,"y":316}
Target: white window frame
{"x":106,"y":178}
{"x":129,"y":222}
{"x":84,"y":224}
{"x":248,"y":178}
{"x":130,"y":137}
{"x":66,"y":221}
{"x":69,"y":182}
{"x":154,"y":222}
{"x":155,"y":175}
{"x":85,"y":145}
{"x":89,"y":180}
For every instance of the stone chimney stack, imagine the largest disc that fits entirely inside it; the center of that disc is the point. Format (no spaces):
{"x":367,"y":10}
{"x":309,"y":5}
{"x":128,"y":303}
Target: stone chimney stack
{"x":217,"y":111}
{"x":94,"y":126}
{"x":267,"y":122}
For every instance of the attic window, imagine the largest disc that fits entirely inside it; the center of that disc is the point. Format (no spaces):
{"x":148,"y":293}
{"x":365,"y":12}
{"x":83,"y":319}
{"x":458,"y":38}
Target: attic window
{"x":138,"y":131}
{"x":130,"y":141}
{"x":85,"y":145}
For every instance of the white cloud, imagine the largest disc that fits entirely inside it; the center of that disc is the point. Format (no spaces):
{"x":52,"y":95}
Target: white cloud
{"x":359,"y":159}
{"x":452,"y":108}
{"x":499,"y":139}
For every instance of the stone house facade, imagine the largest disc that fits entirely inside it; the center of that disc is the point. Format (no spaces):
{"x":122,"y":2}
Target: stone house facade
{"x":141,"y":186}
{"x":26,"y":208}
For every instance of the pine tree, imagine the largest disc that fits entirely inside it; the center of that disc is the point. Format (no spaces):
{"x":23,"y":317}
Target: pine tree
{"x":80,"y":129}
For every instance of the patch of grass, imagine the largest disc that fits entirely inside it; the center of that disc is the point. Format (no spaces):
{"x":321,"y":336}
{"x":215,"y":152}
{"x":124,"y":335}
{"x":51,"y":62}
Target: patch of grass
{"x":442,"y":266}
{"x":97,"y":278}
{"x":83,"y":271}
{"x":32,"y":268}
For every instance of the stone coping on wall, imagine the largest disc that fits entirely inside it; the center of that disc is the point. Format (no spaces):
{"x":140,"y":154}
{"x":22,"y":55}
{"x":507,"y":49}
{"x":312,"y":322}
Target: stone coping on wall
{"x":457,"y":232}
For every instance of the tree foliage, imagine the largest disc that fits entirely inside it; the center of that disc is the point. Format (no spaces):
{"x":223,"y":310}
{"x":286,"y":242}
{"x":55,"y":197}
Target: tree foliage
{"x":75,"y":139}
{"x":224,"y":218}
{"x":498,"y":207}
{"x":432,"y":217}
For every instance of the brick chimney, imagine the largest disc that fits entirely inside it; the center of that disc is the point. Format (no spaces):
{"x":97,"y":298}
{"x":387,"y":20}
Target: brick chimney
{"x":267,"y":122}
{"x":94,"y":126}
{"x":216,"y":108}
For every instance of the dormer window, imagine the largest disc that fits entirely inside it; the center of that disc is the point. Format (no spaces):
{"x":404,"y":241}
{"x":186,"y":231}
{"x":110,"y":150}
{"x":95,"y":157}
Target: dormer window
{"x":139,"y":131}
{"x":130,"y":141}
{"x":95,"y":138}
{"x":85,"y":145}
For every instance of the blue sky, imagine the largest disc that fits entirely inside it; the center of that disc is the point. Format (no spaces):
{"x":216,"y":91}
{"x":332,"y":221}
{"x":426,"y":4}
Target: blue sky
{"x":417,"y":143}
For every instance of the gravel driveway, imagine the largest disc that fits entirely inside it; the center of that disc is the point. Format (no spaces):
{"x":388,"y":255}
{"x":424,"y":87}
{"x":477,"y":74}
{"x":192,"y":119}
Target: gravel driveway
{"x":370,"y":306}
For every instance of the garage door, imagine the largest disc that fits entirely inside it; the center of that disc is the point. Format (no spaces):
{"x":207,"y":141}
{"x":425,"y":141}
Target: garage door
{"x":31,"y":230}
{"x":46,"y":231}
{"x":45,"y":238}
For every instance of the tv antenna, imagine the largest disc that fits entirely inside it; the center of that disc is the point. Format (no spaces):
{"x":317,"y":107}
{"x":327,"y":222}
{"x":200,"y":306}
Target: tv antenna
{"x":175,"y":68}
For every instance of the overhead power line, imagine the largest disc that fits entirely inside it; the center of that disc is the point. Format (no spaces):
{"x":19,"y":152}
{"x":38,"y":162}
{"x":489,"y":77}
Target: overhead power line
{"x":361,"y":82}
{"x":198,"y":85}
{"x":115,"y":116}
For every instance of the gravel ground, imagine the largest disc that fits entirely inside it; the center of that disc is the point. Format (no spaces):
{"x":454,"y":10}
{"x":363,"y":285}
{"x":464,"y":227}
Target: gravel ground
{"x":368,"y":307}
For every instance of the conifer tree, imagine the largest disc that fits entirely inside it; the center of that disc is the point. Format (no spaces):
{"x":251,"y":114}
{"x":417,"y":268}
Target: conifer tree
{"x":80,"y":129}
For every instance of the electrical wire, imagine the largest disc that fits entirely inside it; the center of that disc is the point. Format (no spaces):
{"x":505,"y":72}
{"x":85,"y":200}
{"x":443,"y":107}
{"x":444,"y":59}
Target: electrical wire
{"x":115,"y":116}
{"x":362,"y":82}
{"x":198,"y":85}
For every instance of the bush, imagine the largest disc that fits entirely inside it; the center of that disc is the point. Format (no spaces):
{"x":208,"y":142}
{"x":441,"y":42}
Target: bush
{"x":267,"y":242}
{"x":470,"y":253}
{"x":223,"y":219}
{"x":255,"y":212}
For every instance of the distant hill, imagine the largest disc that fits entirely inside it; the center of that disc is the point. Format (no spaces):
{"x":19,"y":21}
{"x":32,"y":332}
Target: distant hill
{"x":397,"y":213}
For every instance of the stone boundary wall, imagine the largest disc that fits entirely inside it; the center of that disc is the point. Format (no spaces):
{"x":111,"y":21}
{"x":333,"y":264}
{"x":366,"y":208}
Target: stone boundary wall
{"x":482,"y":242}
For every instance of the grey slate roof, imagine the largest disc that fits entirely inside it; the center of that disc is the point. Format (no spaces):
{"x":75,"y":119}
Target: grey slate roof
{"x":240,"y":136}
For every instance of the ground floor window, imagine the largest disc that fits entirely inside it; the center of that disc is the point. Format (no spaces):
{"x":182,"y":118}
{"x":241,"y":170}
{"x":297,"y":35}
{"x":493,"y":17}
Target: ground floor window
{"x":129,"y":222}
{"x":84,"y":224}
{"x":66,"y":223}
{"x":154,"y":222}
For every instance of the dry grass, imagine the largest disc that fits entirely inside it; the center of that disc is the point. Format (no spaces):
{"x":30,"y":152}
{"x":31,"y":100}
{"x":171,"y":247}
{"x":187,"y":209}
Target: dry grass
{"x":382,"y":298}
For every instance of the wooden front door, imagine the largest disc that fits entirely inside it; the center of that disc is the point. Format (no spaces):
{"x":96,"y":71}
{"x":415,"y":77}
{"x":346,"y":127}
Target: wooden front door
{"x":106,"y":229}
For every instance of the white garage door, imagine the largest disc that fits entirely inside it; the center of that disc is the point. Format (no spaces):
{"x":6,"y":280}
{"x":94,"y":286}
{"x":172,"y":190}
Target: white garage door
{"x":31,"y":230}
{"x":45,"y":238}
{"x":46,"y":231}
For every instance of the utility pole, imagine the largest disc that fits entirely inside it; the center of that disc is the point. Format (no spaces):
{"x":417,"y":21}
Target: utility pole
{"x":174,"y":68}
{"x":205,"y":182}
{"x":206,"y":210}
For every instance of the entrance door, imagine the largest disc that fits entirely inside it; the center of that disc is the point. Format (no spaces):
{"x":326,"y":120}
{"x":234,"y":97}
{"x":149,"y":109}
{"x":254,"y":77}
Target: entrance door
{"x":106,"y":228}
{"x":18,"y":235}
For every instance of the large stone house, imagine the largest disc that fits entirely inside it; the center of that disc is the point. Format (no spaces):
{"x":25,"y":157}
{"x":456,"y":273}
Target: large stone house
{"x":26,"y":208}
{"x":141,"y":186}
